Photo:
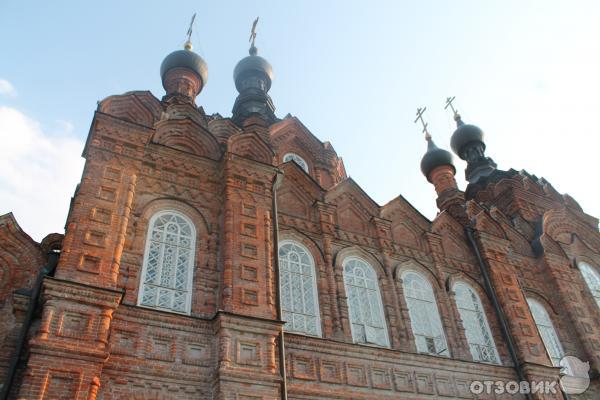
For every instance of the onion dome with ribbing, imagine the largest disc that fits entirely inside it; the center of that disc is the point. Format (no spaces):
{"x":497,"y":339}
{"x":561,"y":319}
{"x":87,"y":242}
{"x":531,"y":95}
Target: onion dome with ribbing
{"x":253,"y":66}
{"x":185,"y":58}
{"x":435,"y":157}
{"x":463,"y":135}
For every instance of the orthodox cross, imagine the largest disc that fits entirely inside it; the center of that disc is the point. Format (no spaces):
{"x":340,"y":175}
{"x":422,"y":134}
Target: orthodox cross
{"x":253,"y":32}
{"x":449,"y":101}
{"x":420,"y":112}
{"x":189,"y":32}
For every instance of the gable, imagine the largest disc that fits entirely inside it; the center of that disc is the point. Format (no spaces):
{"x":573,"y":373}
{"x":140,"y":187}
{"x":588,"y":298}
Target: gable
{"x":251,"y":146}
{"x":186,"y":135}
{"x":138,"y":107}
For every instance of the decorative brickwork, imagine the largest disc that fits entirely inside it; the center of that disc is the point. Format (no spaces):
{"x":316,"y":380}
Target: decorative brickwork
{"x":93,"y":338}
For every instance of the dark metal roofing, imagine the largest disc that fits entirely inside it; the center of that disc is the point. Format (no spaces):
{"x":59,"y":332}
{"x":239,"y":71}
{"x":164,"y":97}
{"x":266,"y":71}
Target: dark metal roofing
{"x":185,"y":59}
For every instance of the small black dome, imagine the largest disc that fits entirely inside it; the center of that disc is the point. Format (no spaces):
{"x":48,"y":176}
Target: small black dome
{"x":435,"y":157}
{"x":252,"y":64}
{"x":185,"y":59}
{"x":465,"y":133}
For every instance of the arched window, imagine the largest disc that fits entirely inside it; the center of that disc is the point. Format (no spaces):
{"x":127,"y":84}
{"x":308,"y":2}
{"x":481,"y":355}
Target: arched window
{"x":477,"y":329}
{"x":298,"y":285}
{"x":364,"y":303}
{"x":424,"y":316}
{"x":547,"y":332}
{"x":167,"y":271}
{"x":297,"y":159}
{"x":591,"y":276}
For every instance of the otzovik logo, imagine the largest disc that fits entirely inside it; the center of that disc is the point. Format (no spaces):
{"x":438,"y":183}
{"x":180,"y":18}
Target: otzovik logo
{"x":574,"y":375}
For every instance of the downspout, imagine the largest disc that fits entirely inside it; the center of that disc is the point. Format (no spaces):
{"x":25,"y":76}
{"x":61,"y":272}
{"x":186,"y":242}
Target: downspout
{"x":496,"y":304}
{"x":48,"y":269}
{"x":276,"y":182}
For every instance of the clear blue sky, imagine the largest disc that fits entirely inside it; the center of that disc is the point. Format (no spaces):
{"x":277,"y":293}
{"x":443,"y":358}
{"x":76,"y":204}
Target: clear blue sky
{"x":526,"y":72}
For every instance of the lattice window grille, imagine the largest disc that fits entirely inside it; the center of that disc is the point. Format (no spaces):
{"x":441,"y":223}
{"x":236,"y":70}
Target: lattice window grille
{"x":297,"y":159}
{"x":477,"y":329}
{"x":424,"y":315}
{"x":364,"y":303}
{"x":547,"y":331}
{"x":298,"y":286}
{"x":168,"y":263}
{"x":591,"y":276}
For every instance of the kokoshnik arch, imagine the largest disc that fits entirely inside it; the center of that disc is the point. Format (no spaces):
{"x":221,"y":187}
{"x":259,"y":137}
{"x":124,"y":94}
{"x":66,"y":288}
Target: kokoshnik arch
{"x":210,"y":257}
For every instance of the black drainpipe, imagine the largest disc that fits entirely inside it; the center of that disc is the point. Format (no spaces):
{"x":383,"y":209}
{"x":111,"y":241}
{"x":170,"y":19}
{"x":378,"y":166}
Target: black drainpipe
{"x":496,"y":304}
{"x":48,"y":269}
{"x":276,"y":183}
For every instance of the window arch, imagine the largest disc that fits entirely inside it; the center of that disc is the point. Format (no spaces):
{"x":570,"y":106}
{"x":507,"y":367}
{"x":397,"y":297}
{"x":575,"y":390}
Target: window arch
{"x":297,"y":159}
{"x":591,"y":276}
{"x":477,"y":329}
{"x":298,"y":289}
{"x":167,"y":271}
{"x":367,"y":320}
{"x":547,"y":331}
{"x":424,"y":315}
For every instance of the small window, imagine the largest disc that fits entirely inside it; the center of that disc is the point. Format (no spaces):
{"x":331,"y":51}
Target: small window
{"x":424,"y":316}
{"x":547,"y":331}
{"x":297,"y":159}
{"x":591,"y":276}
{"x":298,"y":284}
{"x":477,"y":329}
{"x":166,"y":279}
{"x":364,"y":303}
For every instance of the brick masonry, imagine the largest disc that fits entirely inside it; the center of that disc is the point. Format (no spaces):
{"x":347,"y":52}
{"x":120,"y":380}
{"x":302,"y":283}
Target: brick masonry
{"x":90,"y":339}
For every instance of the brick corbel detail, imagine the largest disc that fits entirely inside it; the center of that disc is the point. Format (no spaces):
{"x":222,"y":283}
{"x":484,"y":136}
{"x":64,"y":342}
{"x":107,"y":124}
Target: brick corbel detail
{"x":529,"y":345}
{"x":71,"y":344}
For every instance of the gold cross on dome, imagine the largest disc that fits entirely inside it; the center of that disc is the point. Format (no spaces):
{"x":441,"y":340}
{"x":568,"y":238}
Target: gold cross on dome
{"x":420,"y":112}
{"x":189,"y":31}
{"x":449,"y":101}
{"x":253,"y":32}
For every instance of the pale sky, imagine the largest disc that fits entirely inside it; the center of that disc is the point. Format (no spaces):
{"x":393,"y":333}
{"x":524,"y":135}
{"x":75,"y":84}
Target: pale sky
{"x":526,"y":72}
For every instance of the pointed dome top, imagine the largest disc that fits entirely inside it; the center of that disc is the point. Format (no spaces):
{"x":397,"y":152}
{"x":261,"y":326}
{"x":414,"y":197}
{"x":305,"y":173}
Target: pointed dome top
{"x":435,"y":157}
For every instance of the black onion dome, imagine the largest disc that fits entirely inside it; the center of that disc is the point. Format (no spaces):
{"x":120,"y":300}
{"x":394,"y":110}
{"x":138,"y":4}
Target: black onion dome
{"x":435,"y":157}
{"x":250,"y":65}
{"x":185,"y":59}
{"x":464,"y":134}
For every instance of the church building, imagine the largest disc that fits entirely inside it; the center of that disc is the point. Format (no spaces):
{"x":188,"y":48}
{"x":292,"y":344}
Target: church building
{"x":232,"y":258}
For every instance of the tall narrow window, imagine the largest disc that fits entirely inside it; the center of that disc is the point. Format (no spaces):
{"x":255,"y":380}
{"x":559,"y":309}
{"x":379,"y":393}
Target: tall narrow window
{"x":298,"y":284}
{"x":547,"y":331}
{"x":591,"y":276}
{"x":297,"y":159}
{"x":424,"y":316}
{"x":168,"y":263}
{"x":477,"y":329}
{"x":364,"y":303}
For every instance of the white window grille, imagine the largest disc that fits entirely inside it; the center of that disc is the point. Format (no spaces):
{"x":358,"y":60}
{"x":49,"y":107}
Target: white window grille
{"x":424,"y":316}
{"x":477,"y":329}
{"x":364,"y":303}
{"x":591,"y":276}
{"x":167,"y":272}
{"x":298,"y":285}
{"x":547,"y":331}
{"x":297,"y":159}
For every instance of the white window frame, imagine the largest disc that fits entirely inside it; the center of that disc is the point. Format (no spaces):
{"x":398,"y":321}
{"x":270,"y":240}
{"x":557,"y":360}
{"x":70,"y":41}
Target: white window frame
{"x":315,"y":289}
{"x":191,"y":262}
{"x":301,"y":162}
{"x":547,"y":331}
{"x":481,"y":318}
{"x":434,"y":320}
{"x":379,"y":304}
{"x":591,"y":277}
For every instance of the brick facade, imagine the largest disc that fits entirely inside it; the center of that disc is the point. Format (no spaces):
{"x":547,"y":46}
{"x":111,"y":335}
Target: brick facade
{"x":90,"y":339}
